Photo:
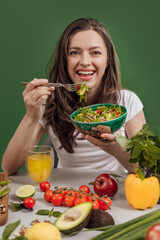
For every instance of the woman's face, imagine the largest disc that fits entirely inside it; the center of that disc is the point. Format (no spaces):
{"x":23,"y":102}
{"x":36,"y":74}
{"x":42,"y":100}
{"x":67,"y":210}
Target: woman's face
{"x":87,"y":58}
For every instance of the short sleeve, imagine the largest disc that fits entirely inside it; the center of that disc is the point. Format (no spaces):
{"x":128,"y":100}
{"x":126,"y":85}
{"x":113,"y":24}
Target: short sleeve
{"x":132,"y":102}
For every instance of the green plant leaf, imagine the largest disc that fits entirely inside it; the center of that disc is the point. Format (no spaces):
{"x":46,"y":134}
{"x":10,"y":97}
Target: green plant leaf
{"x":9,"y":229}
{"x":56,"y":214}
{"x":43,"y":212}
{"x":154,"y":151}
{"x":123,"y":141}
{"x":136,"y":151}
{"x":16,"y":206}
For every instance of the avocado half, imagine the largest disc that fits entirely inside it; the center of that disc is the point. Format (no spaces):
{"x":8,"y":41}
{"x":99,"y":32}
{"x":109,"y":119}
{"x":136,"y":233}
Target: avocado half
{"x":75,"y":218}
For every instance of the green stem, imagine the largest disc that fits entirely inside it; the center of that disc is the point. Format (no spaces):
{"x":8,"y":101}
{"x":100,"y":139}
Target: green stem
{"x":140,"y":173}
{"x":110,"y":230}
{"x":5,"y":182}
{"x":134,"y":226}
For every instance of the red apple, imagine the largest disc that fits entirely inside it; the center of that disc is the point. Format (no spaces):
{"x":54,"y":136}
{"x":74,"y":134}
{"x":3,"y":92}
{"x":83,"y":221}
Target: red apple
{"x":105,"y":184}
{"x":153,"y":232}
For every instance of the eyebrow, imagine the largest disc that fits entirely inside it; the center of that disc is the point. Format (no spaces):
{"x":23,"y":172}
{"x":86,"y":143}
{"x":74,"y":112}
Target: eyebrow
{"x":95,"y":47}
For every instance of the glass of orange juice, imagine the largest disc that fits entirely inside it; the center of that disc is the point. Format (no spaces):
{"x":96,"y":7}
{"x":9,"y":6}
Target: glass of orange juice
{"x":39,"y":162}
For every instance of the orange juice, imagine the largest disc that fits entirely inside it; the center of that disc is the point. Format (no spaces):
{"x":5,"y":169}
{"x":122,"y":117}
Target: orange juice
{"x":39,"y":166}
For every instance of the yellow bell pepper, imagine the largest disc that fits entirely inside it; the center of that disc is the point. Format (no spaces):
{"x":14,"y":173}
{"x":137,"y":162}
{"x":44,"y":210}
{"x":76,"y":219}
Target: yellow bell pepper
{"x":142,"y":192}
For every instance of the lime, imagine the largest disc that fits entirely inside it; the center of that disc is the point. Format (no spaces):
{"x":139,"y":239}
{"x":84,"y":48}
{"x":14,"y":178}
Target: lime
{"x":25,"y":191}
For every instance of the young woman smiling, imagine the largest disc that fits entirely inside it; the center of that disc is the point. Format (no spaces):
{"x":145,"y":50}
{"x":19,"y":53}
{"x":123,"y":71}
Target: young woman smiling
{"x":84,"y":52}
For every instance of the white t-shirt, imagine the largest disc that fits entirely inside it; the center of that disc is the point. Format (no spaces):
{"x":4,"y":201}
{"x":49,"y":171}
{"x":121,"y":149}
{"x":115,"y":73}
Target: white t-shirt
{"x":87,"y":155}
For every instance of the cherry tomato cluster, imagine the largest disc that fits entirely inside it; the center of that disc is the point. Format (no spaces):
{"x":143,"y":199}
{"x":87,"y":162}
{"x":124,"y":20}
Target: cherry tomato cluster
{"x":70,"y":197}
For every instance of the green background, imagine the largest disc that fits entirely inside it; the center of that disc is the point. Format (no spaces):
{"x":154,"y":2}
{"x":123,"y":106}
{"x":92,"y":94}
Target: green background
{"x":29,"y":30}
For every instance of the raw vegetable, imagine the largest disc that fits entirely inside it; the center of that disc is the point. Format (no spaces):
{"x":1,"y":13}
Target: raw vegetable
{"x":9,"y":229}
{"x":57,"y":199}
{"x":142,"y":192}
{"x":82,"y":91}
{"x":153,"y":232}
{"x":44,"y":186}
{"x":99,"y":218}
{"x":84,"y":188}
{"x":105,"y":184}
{"x":5,"y":182}
{"x":48,"y":213}
{"x":43,"y":231}
{"x":48,"y":195}
{"x":131,"y":230}
{"x":101,"y":114}
{"x":29,"y":202}
{"x":144,"y":148}
{"x":4,"y":187}
{"x":25,"y":191}
{"x":4,"y":190}
{"x":75,"y":218}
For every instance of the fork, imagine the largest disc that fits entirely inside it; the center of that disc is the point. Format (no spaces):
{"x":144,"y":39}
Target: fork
{"x":68,"y":87}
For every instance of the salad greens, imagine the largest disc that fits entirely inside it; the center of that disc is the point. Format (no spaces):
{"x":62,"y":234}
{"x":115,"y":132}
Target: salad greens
{"x":144,"y":148}
{"x":101,"y":114}
{"x":82,"y":91}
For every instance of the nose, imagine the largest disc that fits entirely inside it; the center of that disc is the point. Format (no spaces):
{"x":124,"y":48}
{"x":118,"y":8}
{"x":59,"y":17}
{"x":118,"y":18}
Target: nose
{"x":85,"y":60}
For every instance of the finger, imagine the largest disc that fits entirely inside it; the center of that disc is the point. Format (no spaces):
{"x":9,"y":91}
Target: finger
{"x":108,"y":136}
{"x":35,"y":83}
{"x":102,"y":129}
{"x":36,"y":94}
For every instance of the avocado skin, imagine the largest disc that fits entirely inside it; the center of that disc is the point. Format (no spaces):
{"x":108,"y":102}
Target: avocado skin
{"x":100,"y":218}
{"x":79,"y":226}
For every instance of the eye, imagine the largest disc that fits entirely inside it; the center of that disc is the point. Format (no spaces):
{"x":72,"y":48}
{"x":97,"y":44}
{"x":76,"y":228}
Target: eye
{"x":96,"y":53}
{"x":73,"y":52}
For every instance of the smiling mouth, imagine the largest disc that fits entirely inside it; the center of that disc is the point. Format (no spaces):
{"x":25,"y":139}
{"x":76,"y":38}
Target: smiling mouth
{"x":85,"y":73}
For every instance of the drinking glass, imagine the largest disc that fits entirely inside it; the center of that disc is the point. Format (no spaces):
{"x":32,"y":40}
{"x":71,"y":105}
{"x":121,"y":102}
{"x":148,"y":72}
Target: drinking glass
{"x":39,"y":162}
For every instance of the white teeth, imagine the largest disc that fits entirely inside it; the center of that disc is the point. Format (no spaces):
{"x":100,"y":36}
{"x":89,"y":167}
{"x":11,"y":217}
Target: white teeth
{"x":85,"y":72}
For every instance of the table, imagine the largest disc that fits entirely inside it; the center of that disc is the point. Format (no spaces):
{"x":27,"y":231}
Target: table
{"x":121,"y":211}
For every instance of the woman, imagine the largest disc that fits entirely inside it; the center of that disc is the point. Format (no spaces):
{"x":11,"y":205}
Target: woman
{"x":85,"y":52}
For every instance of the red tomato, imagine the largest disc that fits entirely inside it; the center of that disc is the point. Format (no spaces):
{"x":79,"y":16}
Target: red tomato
{"x":48,"y":195}
{"x":57,"y":199}
{"x":153,"y":232}
{"x":44,"y":186}
{"x":79,"y":200}
{"x":99,"y":111}
{"x":84,"y":188}
{"x":103,"y":205}
{"x":61,"y":191}
{"x":92,"y":196}
{"x":29,"y":202}
{"x":73,"y":192}
{"x":95,"y":203}
{"x":69,"y":200}
{"x":81,"y":195}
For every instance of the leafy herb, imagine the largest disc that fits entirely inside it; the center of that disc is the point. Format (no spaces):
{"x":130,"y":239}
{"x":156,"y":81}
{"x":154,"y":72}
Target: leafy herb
{"x":9,"y":230}
{"x":19,"y":206}
{"x":144,"y":148}
{"x":49,"y":213}
{"x":82,"y":92}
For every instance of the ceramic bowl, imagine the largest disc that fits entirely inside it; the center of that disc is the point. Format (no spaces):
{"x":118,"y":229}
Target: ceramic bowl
{"x":105,"y":126}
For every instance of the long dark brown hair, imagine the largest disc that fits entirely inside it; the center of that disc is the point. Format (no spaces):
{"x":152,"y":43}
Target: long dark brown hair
{"x":62,"y":103}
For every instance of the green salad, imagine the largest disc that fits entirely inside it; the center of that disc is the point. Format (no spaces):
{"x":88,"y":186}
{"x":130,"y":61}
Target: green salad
{"x":82,"y":92}
{"x":101,"y":114}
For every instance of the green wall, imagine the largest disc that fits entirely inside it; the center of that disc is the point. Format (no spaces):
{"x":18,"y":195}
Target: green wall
{"x":29,"y":30}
